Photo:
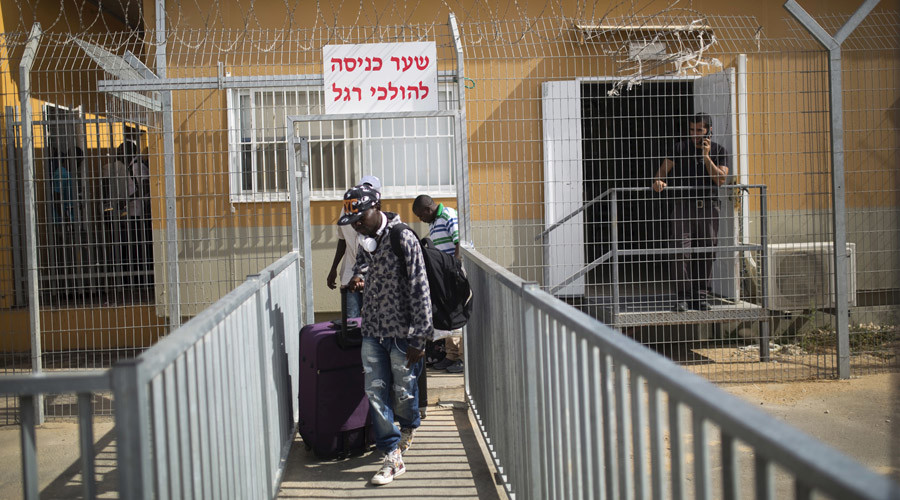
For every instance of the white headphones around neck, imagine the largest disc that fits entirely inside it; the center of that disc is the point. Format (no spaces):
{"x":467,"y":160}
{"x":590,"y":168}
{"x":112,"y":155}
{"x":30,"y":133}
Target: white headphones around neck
{"x":369,"y":244}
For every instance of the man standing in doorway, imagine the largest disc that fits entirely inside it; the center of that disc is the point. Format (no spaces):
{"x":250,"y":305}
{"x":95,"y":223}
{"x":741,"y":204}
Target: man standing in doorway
{"x":396,"y":323}
{"x":444,"y":232}
{"x":699,"y":166}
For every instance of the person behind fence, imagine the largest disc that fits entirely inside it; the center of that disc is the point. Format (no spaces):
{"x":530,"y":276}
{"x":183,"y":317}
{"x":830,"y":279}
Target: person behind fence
{"x":345,"y":254}
{"x":701,"y":166}
{"x":396,"y":323}
{"x":114,"y":196}
{"x":140,"y":232}
{"x":63,"y":195}
{"x":443,"y":229}
{"x":61,"y":187}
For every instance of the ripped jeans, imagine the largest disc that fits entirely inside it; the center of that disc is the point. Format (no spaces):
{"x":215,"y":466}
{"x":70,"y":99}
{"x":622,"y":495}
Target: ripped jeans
{"x":392,"y":388}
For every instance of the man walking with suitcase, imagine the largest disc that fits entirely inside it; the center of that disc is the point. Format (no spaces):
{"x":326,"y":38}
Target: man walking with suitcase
{"x":396,"y":323}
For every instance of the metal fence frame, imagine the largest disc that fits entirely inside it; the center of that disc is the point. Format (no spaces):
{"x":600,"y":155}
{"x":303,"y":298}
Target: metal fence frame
{"x":30,"y":388}
{"x":564,"y":403}
{"x":838,"y":195}
{"x":215,"y":397}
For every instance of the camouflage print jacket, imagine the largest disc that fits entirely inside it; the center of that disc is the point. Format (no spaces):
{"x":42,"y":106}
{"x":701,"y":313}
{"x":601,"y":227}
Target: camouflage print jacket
{"x":392,"y":308}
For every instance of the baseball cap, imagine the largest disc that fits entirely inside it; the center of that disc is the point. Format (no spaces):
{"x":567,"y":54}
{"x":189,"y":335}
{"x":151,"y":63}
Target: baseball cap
{"x":372,"y":181}
{"x":357,"y":200}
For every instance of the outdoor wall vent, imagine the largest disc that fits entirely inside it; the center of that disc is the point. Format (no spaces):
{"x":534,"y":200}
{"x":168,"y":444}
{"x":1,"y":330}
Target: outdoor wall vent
{"x":801,"y":276}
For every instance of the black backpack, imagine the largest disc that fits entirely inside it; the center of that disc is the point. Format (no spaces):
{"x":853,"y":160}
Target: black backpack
{"x":451,"y":295}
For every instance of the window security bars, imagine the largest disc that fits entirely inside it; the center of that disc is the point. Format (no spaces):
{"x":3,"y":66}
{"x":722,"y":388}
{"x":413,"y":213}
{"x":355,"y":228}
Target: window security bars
{"x":410,"y":156}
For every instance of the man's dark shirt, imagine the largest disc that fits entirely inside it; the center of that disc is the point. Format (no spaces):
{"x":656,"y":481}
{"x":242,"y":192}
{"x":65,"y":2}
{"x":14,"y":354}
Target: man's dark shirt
{"x":689,"y":170}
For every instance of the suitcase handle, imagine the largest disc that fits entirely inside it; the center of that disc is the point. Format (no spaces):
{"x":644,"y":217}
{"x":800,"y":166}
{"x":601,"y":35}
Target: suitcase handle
{"x":344,"y":311}
{"x":344,"y":320}
{"x":344,"y":339}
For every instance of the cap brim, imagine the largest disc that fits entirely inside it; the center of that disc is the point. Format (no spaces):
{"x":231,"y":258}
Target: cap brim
{"x":348,"y":219}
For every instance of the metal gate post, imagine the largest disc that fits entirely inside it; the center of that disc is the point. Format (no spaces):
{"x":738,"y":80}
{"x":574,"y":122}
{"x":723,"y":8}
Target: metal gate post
{"x":301,"y":226}
{"x":462,"y":142}
{"x":132,"y":412}
{"x":833,"y":45}
{"x":173,"y":288}
{"x":31,"y":257}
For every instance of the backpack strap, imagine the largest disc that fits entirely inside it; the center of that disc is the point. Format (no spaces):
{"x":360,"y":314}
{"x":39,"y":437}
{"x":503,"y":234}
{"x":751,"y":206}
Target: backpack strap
{"x":396,"y":232}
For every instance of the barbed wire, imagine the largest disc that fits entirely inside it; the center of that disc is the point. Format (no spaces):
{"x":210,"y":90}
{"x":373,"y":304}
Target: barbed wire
{"x":221,"y":28}
{"x":79,"y":17}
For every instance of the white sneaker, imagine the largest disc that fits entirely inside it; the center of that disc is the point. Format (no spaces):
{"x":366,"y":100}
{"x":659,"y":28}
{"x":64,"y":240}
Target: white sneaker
{"x":406,"y":438}
{"x":390,"y":468}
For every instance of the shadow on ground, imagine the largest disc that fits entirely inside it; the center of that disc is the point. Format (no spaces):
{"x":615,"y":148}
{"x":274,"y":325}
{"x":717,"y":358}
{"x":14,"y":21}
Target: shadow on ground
{"x":445,"y":461}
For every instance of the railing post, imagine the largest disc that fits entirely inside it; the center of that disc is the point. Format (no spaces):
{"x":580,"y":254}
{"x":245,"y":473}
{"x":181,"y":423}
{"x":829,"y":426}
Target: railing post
{"x":132,"y":430}
{"x":614,"y":241}
{"x":532,"y":382}
{"x":86,"y":439}
{"x":263,"y":387}
{"x":29,"y":448}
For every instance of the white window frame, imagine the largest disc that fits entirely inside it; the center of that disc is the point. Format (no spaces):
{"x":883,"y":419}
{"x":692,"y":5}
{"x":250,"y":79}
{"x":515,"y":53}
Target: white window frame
{"x":377,"y":147}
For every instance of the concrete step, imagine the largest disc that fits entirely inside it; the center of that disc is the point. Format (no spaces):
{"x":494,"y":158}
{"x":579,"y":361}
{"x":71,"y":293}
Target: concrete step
{"x":445,"y":388}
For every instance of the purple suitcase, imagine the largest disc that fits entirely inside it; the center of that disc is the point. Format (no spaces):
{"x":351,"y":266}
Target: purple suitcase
{"x":334,"y":409}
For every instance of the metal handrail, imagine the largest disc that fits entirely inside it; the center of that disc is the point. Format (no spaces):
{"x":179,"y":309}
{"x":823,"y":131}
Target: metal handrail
{"x":606,"y":193}
{"x":168,"y":350}
{"x":30,"y":389}
{"x":582,"y":390}
{"x":227,"y":380}
{"x":577,"y":211}
{"x":612,"y":254}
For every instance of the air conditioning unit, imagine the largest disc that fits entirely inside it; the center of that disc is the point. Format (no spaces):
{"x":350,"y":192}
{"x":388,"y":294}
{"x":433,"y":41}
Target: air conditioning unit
{"x":801,"y":276}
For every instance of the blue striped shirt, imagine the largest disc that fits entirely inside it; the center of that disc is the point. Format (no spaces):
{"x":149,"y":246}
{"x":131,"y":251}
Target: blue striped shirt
{"x":444,"y":231}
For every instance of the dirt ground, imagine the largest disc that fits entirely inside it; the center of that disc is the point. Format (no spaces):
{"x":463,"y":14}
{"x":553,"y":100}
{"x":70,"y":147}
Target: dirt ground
{"x":786,"y":363}
{"x":860,"y":417}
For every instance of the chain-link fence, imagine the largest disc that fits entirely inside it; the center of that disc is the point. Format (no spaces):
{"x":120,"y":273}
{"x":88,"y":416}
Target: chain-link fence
{"x":143,"y":217}
{"x":573,"y":122}
{"x":158,"y":191}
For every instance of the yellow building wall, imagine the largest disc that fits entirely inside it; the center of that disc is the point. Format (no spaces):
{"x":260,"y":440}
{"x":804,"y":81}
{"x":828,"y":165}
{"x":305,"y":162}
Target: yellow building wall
{"x":82,"y":329}
{"x":788,"y":102}
{"x":506,"y":179}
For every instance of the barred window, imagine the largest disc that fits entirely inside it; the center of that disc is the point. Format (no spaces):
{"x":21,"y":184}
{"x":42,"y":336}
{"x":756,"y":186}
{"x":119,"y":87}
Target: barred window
{"x":409,"y":155}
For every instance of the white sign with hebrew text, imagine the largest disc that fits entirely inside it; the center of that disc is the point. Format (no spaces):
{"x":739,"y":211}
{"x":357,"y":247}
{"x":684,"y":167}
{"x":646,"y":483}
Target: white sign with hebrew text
{"x":380,"y":77}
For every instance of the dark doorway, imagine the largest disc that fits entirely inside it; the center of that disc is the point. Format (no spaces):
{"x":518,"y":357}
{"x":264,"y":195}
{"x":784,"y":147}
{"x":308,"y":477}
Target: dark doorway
{"x":626,"y":137}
